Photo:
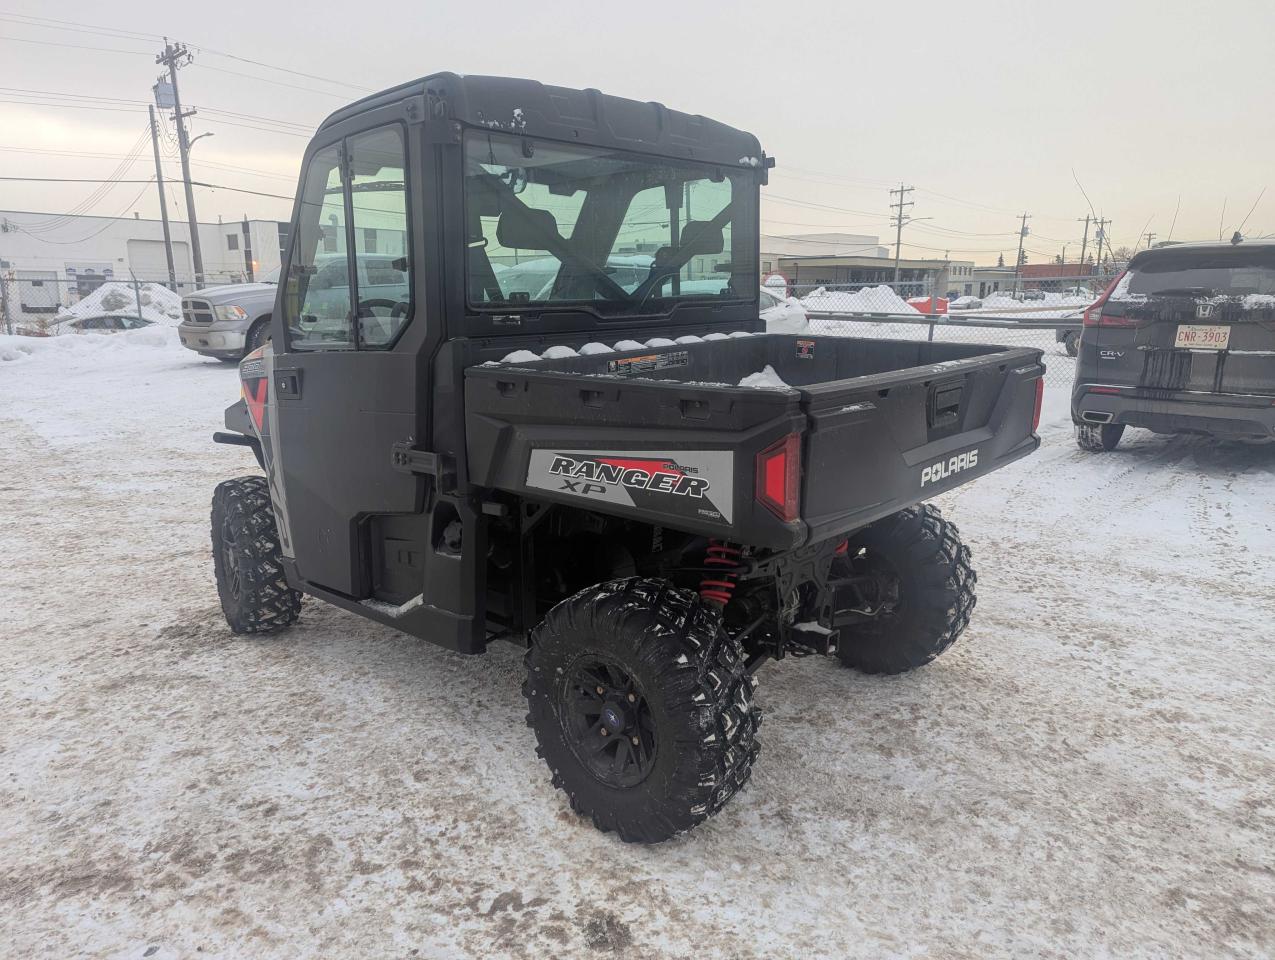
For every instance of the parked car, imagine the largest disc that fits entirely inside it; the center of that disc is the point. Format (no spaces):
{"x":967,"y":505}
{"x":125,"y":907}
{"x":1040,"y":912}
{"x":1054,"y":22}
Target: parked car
{"x":965,"y":303}
{"x":230,"y":320}
{"x":107,"y":323}
{"x":782,"y":314}
{"x":1033,"y":295}
{"x":1182,"y":342}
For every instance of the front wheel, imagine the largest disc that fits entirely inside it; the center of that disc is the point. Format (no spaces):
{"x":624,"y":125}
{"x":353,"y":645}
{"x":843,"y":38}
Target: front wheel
{"x":255,"y":596}
{"x":641,"y":707}
{"x":258,"y":334}
{"x":927,"y":594}
{"x":1098,"y":438}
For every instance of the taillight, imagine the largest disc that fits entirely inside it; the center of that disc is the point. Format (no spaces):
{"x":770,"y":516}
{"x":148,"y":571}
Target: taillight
{"x":779,"y":477}
{"x":1093,"y":316}
{"x":1040,"y":400}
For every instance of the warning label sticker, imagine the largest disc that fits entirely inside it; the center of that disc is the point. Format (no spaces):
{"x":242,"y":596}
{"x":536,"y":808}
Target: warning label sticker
{"x":636,"y":366}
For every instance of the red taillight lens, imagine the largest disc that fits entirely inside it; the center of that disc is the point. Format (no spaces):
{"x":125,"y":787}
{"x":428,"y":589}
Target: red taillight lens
{"x":1040,"y":400}
{"x":1093,"y":314}
{"x":779,"y":477}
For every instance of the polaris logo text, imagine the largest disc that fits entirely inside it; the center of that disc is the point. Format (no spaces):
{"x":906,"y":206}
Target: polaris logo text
{"x":945,"y":468}
{"x":660,"y":476}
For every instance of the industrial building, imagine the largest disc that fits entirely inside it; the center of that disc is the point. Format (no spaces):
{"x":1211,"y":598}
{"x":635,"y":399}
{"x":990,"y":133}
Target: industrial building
{"x":53,"y":260}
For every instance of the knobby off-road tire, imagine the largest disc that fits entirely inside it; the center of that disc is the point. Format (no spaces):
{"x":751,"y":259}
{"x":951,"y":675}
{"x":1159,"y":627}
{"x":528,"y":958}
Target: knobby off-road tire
{"x":255,"y":596}
{"x":675,"y":684}
{"x":1098,"y":438}
{"x":922,"y":553}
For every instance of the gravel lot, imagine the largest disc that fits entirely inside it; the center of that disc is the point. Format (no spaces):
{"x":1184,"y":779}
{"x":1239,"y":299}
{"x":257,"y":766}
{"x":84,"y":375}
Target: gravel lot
{"x":1089,"y":773}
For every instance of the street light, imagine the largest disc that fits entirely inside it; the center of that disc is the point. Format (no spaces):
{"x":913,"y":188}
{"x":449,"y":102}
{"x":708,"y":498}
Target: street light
{"x":198,"y":138}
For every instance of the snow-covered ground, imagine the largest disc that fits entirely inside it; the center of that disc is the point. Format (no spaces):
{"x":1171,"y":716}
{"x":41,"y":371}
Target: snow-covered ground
{"x":1090,"y":772}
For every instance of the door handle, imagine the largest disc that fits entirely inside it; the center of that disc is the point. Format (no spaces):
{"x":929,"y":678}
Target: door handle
{"x":287,"y":384}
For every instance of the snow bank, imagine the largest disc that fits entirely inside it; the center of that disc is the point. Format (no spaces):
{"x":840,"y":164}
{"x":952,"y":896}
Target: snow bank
{"x":94,"y":348}
{"x":879,"y":299}
{"x":157,"y":304}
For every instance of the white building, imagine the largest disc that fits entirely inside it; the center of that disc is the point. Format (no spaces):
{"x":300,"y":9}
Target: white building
{"x":775,"y":247}
{"x":55,"y":259}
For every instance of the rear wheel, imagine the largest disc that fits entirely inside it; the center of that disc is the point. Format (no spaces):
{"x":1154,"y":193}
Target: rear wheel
{"x":1098,"y":438}
{"x":641,"y":707}
{"x":1071,"y":342}
{"x":255,"y":596}
{"x":927,"y":592}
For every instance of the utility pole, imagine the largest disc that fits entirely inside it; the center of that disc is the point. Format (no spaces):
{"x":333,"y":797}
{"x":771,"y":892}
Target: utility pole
{"x":1084,"y":244}
{"x":1101,"y":236}
{"x":163,"y":202}
{"x":175,"y":55}
{"x":1018,"y":263}
{"x":1149,"y":238}
{"x":899,"y":220}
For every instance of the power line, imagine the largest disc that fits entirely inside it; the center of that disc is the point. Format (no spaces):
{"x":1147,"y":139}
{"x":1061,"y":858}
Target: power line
{"x":73,"y":46}
{"x":106,"y":226}
{"x":195,"y":183}
{"x":278,"y":83}
{"x":69,"y":26}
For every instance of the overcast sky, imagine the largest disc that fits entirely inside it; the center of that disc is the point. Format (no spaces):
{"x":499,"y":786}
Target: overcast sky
{"x":986,"y":107}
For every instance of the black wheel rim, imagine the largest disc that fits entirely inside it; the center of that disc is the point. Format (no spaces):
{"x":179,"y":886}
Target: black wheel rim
{"x":607,"y":722}
{"x":230,"y":559}
{"x":887,"y":586}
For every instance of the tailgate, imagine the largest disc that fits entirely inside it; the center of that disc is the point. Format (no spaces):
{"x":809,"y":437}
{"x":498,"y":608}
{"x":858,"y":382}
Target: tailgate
{"x":878,"y":444}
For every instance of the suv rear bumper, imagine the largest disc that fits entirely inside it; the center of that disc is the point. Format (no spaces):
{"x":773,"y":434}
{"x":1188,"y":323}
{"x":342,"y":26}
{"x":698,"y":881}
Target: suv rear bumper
{"x":1231,"y":415}
{"x":214,"y":339}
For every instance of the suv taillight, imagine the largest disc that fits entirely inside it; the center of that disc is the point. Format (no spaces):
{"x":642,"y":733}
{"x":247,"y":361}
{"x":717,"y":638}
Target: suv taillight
{"x":779,"y":477}
{"x":1093,"y":313}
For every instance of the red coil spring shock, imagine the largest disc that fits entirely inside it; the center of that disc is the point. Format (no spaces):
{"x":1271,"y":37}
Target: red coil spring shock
{"x":725,"y":560}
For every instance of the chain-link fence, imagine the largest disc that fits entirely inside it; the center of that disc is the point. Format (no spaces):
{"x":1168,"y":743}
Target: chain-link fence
{"x":40,"y":304}
{"x":1049,"y":320}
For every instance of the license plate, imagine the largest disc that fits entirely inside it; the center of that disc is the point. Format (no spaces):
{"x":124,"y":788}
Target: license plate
{"x":1194,"y":336}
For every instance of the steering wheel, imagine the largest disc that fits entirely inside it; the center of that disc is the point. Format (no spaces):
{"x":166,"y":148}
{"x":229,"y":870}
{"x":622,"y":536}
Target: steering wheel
{"x":381,"y":302}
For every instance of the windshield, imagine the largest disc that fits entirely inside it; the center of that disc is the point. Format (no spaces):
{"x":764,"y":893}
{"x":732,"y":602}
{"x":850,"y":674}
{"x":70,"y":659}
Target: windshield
{"x":1224,"y":273}
{"x":550,"y":224}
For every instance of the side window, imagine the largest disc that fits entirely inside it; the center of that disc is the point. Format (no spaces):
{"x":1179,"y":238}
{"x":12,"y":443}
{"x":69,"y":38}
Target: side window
{"x":318,"y":303}
{"x":378,"y":193}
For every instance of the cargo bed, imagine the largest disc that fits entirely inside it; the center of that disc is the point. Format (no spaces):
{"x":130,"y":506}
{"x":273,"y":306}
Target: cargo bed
{"x":667,"y":435}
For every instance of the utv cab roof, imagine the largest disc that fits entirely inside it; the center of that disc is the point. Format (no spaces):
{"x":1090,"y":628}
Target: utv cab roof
{"x":561,"y":113}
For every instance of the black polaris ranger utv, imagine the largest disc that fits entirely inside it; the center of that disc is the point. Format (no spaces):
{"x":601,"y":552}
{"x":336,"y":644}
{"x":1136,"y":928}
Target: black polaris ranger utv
{"x":546,"y":411}
{"x":1182,"y":342}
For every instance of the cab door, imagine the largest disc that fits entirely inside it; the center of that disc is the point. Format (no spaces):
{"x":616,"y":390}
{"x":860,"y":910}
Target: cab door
{"x":344,"y":385}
